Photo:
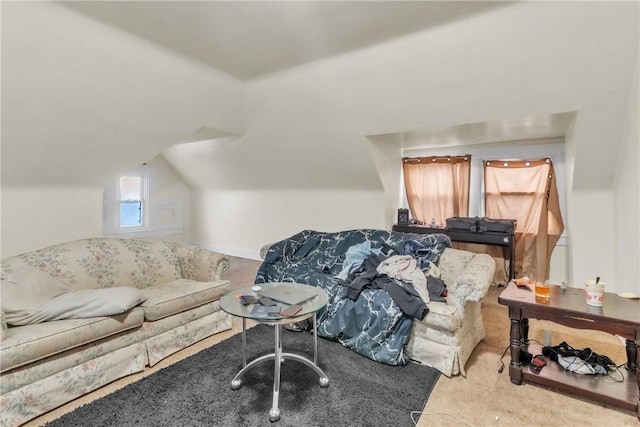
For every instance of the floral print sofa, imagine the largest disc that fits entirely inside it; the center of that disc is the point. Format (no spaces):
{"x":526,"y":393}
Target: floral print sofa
{"x":47,"y":364}
{"x":373,"y":325}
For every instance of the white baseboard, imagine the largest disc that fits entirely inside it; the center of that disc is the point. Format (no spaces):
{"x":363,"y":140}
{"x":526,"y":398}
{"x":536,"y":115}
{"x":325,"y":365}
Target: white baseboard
{"x":241,"y":253}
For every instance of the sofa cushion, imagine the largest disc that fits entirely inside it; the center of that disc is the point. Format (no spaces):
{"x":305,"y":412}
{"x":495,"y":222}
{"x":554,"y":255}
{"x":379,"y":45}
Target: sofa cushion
{"x":180,"y":295}
{"x":26,"y":344}
{"x":47,"y":367}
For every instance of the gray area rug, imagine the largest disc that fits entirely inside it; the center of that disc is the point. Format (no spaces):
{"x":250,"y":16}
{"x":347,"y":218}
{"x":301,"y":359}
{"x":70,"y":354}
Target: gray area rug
{"x":197,"y":391}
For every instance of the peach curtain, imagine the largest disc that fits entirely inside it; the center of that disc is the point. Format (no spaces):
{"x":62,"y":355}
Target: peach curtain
{"x":526,"y":191}
{"x":437,"y":187}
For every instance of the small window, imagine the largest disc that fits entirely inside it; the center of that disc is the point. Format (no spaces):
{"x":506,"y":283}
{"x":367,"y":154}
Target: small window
{"x":132,"y":210}
{"x":132,"y":197}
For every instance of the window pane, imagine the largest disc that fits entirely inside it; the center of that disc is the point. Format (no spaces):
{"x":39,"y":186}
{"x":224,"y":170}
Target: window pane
{"x":130,"y":214}
{"x":130,"y":188}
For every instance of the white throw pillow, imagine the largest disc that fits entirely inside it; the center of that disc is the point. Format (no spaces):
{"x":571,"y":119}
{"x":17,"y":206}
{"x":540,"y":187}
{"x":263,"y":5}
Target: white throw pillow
{"x":28,"y":287}
{"x":51,"y":300}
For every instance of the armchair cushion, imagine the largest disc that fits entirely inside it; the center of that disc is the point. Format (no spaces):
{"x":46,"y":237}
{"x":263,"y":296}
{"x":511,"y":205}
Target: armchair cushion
{"x":443,"y":317}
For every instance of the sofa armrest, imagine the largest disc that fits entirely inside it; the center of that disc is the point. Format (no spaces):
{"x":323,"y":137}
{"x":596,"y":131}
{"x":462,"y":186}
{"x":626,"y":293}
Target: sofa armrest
{"x":201,"y":264}
{"x":474,"y":281}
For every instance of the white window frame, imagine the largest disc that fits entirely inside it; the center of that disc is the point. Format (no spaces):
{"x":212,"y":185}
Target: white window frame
{"x":152,"y":225}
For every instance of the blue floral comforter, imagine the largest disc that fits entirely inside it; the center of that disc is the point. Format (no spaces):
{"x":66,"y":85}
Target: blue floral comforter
{"x":373,"y":325}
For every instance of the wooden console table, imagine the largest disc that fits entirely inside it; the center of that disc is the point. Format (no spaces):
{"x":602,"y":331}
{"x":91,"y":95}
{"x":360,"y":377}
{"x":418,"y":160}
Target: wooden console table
{"x":505,"y":240}
{"x":620,"y":316}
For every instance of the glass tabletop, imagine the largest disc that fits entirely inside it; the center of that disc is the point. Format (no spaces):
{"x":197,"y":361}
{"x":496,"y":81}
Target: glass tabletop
{"x":230,"y":303}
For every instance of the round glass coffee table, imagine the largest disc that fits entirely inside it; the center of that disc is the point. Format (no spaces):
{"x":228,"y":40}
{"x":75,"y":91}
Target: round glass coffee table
{"x":231,"y":303}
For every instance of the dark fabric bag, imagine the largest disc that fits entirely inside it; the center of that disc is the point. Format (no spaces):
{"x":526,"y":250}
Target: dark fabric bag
{"x":459,"y":223}
{"x":481,"y":225}
{"x":497,"y":225}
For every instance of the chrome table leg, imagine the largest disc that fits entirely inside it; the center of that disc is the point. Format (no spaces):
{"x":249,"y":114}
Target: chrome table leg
{"x":274,"y":413}
{"x":278,"y":358}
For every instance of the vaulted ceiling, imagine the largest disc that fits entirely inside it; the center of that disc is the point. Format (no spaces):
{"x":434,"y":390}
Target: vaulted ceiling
{"x":91,"y":89}
{"x":251,"y":39}
{"x":248,"y":39}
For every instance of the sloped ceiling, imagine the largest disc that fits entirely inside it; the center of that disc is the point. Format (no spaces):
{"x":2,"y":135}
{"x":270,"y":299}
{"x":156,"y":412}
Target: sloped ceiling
{"x":92,"y":89}
{"x":83,"y":102}
{"x":249,"y":39}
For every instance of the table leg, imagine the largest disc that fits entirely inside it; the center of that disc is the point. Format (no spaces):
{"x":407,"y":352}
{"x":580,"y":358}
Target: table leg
{"x":632,"y":354}
{"x":525,"y":330}
{"x":244,"y":342}
{"x":515,"y":367}
{"x":315,"y":340}
{"x":324,"y":380}
{"x":508,"y":253}
{"x":633,"y":364}
{"x":278,"y":357}
{"x":236,"y":382}
{"x":274,"y":413}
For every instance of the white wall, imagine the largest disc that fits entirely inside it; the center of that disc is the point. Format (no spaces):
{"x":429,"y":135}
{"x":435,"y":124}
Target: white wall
{"x":36,"y":217}
{"x":626,"y":199}
{"x":241,"y":222}
{"x":388,"y":162}
{"x":82,"y":103}
{"x":591,"y":237}
{"x":171,"y":186}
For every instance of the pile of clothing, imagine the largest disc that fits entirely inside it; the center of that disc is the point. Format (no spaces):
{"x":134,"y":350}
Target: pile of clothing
{"x":410,"y":278}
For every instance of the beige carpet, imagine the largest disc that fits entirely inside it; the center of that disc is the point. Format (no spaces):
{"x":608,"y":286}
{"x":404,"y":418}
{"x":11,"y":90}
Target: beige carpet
{"x":482,"y":398}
